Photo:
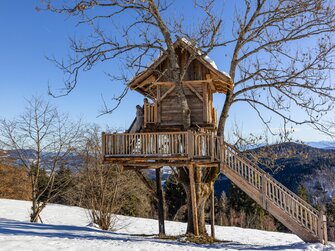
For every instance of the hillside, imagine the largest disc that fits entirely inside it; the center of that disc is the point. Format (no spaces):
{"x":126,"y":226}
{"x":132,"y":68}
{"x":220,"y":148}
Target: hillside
{"x":14,"y":183}
{"x":294,"y":164}
{"x":67,"y":228}
{"x":72,"y":161}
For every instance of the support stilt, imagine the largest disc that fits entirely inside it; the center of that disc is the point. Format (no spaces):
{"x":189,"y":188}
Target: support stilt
{"x":193,"y":200}
{"x":161,"y":216}
{"x":212,"y":212}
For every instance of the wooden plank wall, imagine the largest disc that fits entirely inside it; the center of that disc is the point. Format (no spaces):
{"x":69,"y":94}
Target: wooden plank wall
{"x":170,"y":110}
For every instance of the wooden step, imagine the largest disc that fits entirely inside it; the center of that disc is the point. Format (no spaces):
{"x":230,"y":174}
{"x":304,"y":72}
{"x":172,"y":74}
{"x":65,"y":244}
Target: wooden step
{"x":293,"y":212}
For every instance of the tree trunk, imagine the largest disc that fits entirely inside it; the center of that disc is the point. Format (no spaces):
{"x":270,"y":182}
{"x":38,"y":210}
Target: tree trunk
{"x":186,"y":113}
{"x":161,"y":213}
{"x":204,"y":178}
{"x":224,"y":114}
{"x":34,"y":208}
{"x":35,"y":211}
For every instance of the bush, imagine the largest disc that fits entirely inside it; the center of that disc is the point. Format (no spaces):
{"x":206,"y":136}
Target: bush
{"x":107,"y":190}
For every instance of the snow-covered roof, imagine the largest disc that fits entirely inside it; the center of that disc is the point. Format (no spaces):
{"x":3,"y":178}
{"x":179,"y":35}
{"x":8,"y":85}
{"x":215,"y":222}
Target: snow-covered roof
{"x":207,"y":58}
{"x":141,"y":81}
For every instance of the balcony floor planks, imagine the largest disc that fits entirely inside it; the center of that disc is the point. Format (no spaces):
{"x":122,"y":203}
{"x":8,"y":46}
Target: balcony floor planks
{"x":147,"y":162}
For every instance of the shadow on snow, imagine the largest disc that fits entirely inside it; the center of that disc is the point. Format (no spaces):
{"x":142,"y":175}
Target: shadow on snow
{"x":12,"y":227}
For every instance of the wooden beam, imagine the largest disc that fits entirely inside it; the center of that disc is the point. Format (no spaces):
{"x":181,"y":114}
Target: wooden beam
{"x":147,"y":184}
{"x":164,"y":83}
{"x":161,"y":214}
{"x":193,"y":200}
{"x":212,"y":85}
{"x":168,"y":92}
{"x":145,"y":115}
{"x":159,"y":110}
{"x":140,"y":167}
{"x":205,"y":103}
{"x":184,"y":82}
{"x":196,"y":81}
{"x":148,"y":80}
{"x":212,"y":211}
{"x":195,"y":92}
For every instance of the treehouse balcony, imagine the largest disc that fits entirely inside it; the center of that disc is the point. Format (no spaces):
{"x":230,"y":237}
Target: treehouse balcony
{"x":161,"y":147}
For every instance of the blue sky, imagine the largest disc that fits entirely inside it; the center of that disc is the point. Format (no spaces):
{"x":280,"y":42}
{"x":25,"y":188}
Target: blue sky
{"x":28,"y":36}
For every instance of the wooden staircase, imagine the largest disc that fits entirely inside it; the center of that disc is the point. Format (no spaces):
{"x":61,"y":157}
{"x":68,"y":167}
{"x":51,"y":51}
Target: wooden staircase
{"x":293,"y":212}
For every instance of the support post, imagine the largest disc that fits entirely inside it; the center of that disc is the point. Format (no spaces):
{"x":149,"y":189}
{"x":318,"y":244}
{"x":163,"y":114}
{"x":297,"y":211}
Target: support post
{"x":190,"y":144}
{"x":145,"y":113}
{"x":212,"y":211}
{"x":193,"y":200}
{"x":322,"y":228}
{"x":264,"y":192}
{"x":212,"y":146}
{"x":159,"y":104}
{"x":161,"y":225}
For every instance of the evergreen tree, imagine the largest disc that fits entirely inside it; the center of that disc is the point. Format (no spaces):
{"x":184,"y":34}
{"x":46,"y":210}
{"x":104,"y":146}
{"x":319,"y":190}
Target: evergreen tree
{"x":330,"y":212}
{"x":302,"y":192}
{"x":247,"y":212}
{"x":174,"y":195}
{"x":64,"y":182}
{"x":42,"y":182}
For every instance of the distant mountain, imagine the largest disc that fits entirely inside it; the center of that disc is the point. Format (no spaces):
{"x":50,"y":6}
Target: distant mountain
{"x":322,"y":144}
{"x":293,"y":164}
{"x":11,"y":157}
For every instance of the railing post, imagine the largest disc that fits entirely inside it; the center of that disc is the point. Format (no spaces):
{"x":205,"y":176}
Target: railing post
{"x":145,"y":115}
{"x":222,"y":153}
{"x":322,"y":228}
{"x":155,"y":112}
{"x":264,"y":191}
{"x":190,"y":144}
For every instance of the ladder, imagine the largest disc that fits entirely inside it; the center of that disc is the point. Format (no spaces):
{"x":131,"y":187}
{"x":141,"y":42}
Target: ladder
{"x":292,"y":211}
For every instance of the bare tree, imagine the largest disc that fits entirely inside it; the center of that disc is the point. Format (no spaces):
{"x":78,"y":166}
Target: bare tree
{"x":148,"y":34}
{"x":106,"y":190}
{"x":269,"y":71}
{"x":42,"y":139}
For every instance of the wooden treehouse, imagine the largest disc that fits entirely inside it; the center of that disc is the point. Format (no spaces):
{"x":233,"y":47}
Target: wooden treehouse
{"x":160,"y":141}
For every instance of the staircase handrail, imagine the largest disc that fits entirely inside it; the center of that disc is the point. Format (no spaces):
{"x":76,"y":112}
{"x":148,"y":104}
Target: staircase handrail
{"x":273,"y":180}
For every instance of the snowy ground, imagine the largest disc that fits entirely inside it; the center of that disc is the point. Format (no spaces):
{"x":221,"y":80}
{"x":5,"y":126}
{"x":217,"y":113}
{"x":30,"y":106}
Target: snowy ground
{"x":67,"y":228}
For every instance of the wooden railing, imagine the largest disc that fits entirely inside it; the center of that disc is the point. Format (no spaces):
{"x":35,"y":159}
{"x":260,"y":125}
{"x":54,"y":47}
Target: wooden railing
{"x":150,"y":113}
{"x":206,"y":145}
{"x":162,"y":144}
{"x":298,"y":209}
{"x":145,"y":144}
